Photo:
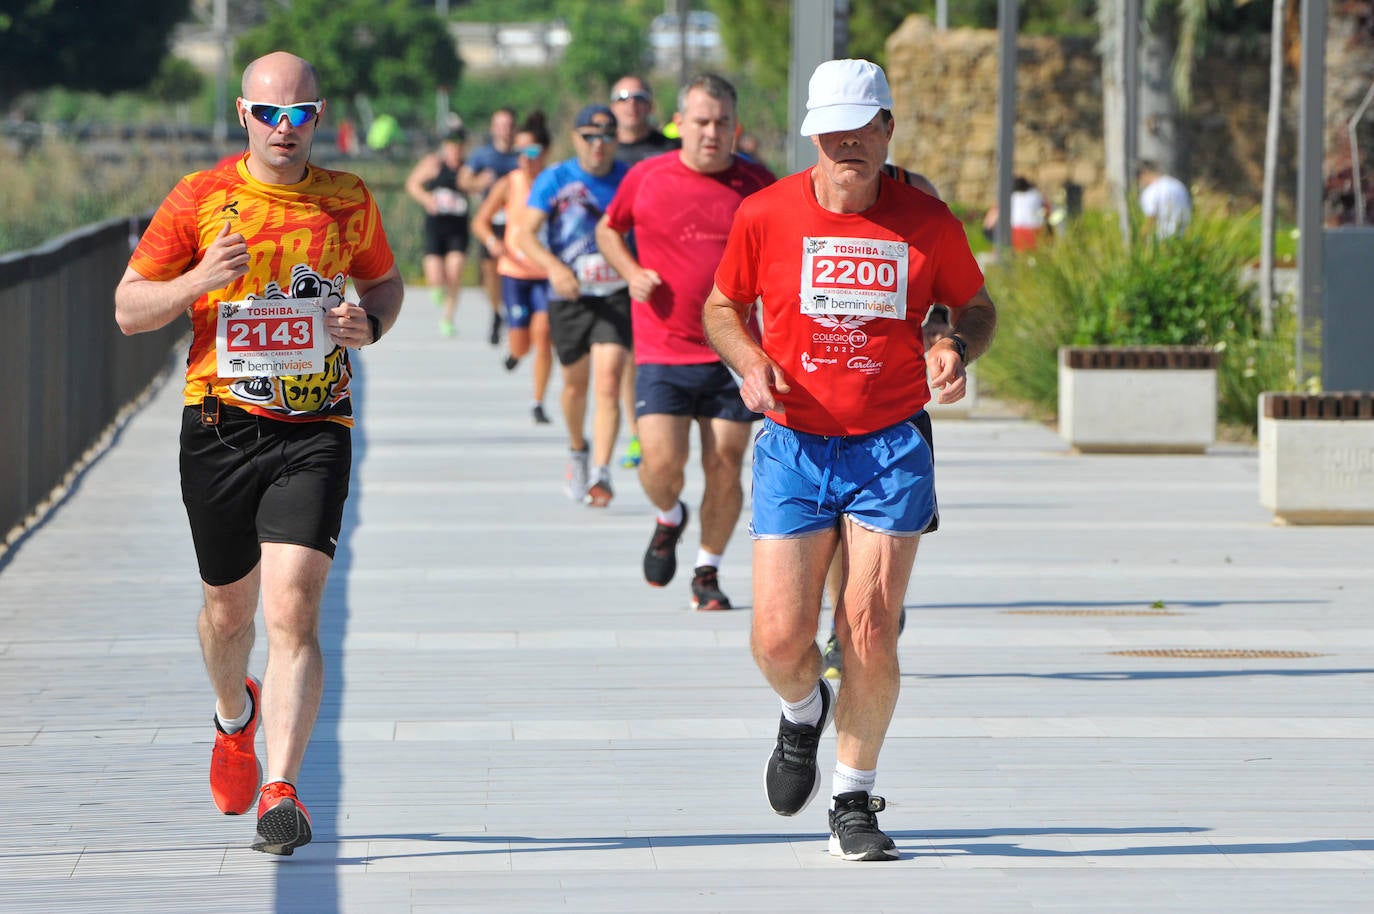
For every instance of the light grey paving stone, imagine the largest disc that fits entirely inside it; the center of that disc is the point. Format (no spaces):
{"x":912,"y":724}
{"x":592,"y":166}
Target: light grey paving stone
{"x":515,"y":721}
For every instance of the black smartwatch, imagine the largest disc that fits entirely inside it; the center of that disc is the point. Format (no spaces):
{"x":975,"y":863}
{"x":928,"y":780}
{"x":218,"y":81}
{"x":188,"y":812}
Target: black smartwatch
{"x":375,"y":323}
{"x":959,"y":346}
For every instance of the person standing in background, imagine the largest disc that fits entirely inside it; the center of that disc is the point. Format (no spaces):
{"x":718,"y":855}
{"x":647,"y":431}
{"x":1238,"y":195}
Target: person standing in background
{"x":1164,"y":200}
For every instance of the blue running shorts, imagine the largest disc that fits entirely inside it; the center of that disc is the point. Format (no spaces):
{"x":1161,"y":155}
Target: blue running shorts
{"x":523,"y":299}
{"x":803,"y":484}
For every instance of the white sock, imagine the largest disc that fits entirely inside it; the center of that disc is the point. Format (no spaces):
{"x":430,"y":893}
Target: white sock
{"x":849,"y":780}
{"x":673,"y":517}
{"x":238,"y":723}
{"x":603,"y":473}
{"x":807,"y":711}
{"x":707,"y":558}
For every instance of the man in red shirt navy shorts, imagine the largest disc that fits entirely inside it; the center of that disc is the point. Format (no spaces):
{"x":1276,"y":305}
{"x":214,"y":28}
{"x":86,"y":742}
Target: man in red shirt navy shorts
{"x":679,"y":206}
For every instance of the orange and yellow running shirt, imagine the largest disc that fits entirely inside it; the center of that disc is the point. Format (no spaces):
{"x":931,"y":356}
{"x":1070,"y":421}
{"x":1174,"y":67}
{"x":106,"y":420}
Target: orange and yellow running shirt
{"x":304,"y":241}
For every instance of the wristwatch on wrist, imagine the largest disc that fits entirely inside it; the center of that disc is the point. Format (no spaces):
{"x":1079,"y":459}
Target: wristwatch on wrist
{"x":959,"y":346}
{"x":375,"y":323}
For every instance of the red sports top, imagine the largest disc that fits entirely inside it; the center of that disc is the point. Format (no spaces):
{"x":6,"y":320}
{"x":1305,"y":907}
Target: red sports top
{"x":680,"y":220}
{"x":304,"y":240}
{"x":844,"y":296}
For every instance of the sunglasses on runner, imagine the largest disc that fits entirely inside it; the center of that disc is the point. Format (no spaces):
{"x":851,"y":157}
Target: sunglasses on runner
{"x":625,"y":95}
{"x":296,"y":115}
{"x":608,"y":136}
{"x":531,"y":151}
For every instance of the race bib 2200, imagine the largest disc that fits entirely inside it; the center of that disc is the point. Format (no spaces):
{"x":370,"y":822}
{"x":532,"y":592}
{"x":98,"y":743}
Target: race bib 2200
{"x":854,"y":276}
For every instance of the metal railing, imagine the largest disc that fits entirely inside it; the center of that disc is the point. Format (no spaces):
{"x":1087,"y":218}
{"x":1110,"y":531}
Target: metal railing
{"x":66,"y":370}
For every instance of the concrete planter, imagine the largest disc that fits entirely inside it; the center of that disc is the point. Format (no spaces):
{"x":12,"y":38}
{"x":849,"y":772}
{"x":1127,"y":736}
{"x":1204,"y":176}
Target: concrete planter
{"x":1138,"y":399}
{"x":1316,"y":457}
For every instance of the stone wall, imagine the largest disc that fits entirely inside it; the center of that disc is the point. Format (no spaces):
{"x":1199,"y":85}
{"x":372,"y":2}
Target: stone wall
{"x":944,"y":87}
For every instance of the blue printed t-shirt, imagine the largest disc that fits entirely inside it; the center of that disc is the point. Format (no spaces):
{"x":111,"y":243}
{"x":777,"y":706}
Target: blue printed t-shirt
{"x":573,"y":200}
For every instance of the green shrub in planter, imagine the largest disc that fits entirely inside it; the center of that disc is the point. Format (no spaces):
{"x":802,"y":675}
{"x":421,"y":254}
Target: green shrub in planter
{"x":1087,"y":288}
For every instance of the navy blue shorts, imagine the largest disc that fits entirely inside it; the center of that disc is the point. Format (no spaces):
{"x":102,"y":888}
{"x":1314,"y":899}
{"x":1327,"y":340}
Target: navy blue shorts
{"x":703,"y":391}
{"x":803,"y":484}
{"x":523,"y":299}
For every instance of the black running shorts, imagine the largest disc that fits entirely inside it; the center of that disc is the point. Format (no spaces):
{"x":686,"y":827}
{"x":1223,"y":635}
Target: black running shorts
{"x":446,"y":235}
{"x":253,"y":480}
{"x":575,"y":325}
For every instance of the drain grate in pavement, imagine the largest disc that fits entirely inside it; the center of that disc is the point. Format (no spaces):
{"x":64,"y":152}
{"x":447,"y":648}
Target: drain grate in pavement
{"x":1208,"y":653}
{"x":1090,"y":612}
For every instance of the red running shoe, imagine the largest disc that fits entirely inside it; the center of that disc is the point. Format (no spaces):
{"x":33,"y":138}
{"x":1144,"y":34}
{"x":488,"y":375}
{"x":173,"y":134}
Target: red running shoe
{"x":283,"y":823}
{"x":234,"y":770}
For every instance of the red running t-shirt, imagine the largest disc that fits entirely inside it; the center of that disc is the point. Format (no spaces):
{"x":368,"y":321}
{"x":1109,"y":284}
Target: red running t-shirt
{"x":680,"y":220}
{"x":844,"y":296}
{"x":304,"y":241}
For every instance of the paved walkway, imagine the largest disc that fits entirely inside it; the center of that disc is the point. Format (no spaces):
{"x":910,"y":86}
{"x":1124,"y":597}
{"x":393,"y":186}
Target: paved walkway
{"x":515,"y":722}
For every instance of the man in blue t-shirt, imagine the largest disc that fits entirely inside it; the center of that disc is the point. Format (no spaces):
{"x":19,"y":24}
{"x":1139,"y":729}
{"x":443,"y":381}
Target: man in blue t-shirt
{"x":486,"y":165}
{"x":589,"y":310}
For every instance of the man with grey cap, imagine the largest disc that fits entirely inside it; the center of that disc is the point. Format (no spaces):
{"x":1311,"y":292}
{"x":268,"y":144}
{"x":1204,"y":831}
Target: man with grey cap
{"x":845,"y":262}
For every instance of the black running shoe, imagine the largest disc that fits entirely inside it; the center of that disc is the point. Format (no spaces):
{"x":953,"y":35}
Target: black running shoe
{"x":792,"y":779}
{"x":511,"y":363}
{"x":832,"y":663}
{"x":706,"y":593}
{"x":538,"y":415}
{"x":854,"y":831}
{"x":660,"y":559}
{"x":495,"y":337}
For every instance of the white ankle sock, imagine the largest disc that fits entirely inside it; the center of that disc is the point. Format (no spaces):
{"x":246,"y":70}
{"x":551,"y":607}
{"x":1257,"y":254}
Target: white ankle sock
{"x":848,"y":780}
{"x":807,"y":711}
{"x":707,"y":558}
{"x":672,"y":518}
{"x":238,"y":723}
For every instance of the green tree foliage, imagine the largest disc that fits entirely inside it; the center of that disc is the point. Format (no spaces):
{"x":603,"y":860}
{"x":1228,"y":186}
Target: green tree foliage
{"x":102,"y":47}
{"x":176,"y":80}
{"x":396,"y":54}
{"x":608,"y":41}
{"x":757,"y":35}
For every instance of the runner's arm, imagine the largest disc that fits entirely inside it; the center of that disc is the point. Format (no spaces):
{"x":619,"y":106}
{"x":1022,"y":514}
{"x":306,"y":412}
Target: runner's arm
{"x":728,"y":334}
{"x":143,"y":304}
{"x":616,"y":250}
{"x":975,"y":322}
{"x":492,"y":204}
{"x":561,"y":277}
{"x":381,"y":298}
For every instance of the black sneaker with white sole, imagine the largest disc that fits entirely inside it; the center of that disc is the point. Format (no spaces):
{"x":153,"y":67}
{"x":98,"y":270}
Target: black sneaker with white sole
{"x":660,"y":559}
{"x":791,"y":780}
{"x":854,"y":831}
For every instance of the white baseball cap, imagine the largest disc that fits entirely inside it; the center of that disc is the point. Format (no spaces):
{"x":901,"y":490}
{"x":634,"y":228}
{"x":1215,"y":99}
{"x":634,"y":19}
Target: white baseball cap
{"x":844,"y":95}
